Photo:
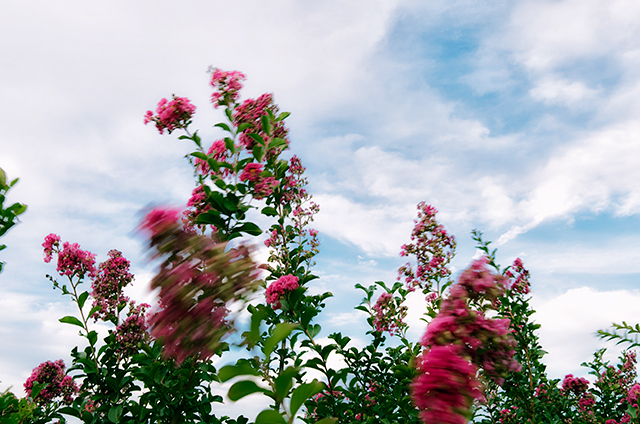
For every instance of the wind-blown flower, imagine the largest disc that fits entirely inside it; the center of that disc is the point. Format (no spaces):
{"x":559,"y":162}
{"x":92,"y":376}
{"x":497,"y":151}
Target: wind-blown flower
{"x":171,"y":115}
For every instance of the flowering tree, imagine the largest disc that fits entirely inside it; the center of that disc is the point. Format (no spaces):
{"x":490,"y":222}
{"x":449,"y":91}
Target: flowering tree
{"x":480,"y":358}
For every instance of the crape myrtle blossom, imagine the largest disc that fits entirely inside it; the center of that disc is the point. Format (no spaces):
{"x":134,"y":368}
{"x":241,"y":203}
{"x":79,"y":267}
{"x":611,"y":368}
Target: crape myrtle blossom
{"x":519,"y":277}
{"x":389,"y":315}
{"x":59,"y":384}
{"x":227,"y":85}
{"x":171,"y":115}
{"x":277,"y":290}
{"x":250,"y":113}
{"x":476,"y":341}
{"x":113,"y":276}
{"x":433,"y":248}
{"x":72,"y":261}
{"x":133,"y":330}
{"x":198,"y":278}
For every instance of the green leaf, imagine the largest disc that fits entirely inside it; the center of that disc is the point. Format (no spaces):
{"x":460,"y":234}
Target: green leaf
{"x":114,"y":413}
{"x":281,"y":331}
{"x":277,"y":142}
{"x":249,"y":228}
{"x":266,"y":124}
{"x":200,"y":155}
{"x":223,"y":126}
{"x":243,"y":126}
{"x":70,"y":411}
{"x":3,"y":178}
{"x":227,"y":372}
{"x":93,"y":337}
{"x":283,"y":116}
{"x":327,"y":421}
{"x":82,"y":299}
{"x":243,"y":388}
{"x":269,"y":211}
{"x":257,"y":316}
{"x":304,"y":392}
{"x":284,"y":382}
{"x":269,"y":416}
{"x":94,"y":310}
{"x":229,"y":144}
{"x":258,"y":152}
{"x":314,"y":330}
{"x":71,"y":320}
{"x":258,"y":139}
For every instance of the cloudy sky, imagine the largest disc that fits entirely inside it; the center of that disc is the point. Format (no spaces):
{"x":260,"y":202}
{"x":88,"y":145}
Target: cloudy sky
{"x":518,"y":118}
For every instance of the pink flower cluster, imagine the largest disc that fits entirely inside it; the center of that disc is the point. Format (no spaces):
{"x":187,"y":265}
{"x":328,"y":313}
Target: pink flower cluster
{"x":227,"y":85}
{"x":433,"y":248}
{"x":197,"y":279}
{"x":51,"y":244}
{"x":519,"y":277}
{"x":263,"y":186}
{"x":72,"y":261}
{"x":475,"y":340}
{"x":250,"y":112}
{"x":276,"y":291}
{"x":196,"y":205}
{"x":446,"y":387}
{"x":574,"y":385}
{"x":113,"y":276}
{"x":217,"y":152}
{"x":132,"y":331}
{"x":388,"y":315}
{"x":59,"y":385}
{"x":171,"y":115}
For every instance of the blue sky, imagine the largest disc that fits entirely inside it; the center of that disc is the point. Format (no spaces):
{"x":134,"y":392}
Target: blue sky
{"x":518,"y":118}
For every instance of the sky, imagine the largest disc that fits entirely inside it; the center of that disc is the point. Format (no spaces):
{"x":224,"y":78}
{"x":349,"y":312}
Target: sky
{"x":516,"y":118}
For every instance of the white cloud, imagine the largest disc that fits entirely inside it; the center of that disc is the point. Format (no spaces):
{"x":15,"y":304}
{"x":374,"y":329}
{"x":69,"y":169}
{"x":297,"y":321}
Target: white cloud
{"x":571,"y":320}
{"x":560,"y":91}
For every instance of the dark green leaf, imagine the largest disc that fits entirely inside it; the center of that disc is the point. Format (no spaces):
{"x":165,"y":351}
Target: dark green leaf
{"x":269,"y":416}
{"x":269,"y":211}
{"x":281,"y":331}
{"x":200,"y":155}
{"x":304,"y":392}
{"x":114,"y":413}
{"x":227,"y":372}
{"x":283,"y":116}
{"x":67,"y":410}
{"x":243,"y":388}
{"x":82,"y":299}
{"x":327,"y":421}
{"x":266,"y":124}
{"x":249,"y":228}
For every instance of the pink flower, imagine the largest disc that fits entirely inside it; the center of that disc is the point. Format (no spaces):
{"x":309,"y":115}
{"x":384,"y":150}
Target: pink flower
{"x":576,"y":385}
{"x":278,"y":288}
{"x":159,"y":220}
{"x":58,"y":383}
{"x":51,"y":244}
{"x":171,"y":115}
{"x":132,"y":331}
{"x":72,"y":261}
{"x":251,"y":172}
{"x":446,"y":387}
{"x":388,"y":316}
{"x":113,"y":276}
{"x":228,"y":86}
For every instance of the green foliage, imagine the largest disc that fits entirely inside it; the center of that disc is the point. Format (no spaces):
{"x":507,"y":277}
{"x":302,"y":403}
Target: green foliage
{"x":8,"y":214}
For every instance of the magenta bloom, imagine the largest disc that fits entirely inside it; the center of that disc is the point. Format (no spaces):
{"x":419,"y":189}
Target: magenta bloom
{"x":113,"y":276}
{"x":171,"y":115}
{"x":278,"y":288}
{"x":132,"y":331}
{"x":51,"y":244}
{"x":446,"y":387}
{"x":59,"y":385}
{"x":160,"y":219}
{"x":74,"y":261}
{"x":251,"y":172}
{"x":388,"y":316}
{"x":228,"y":85}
